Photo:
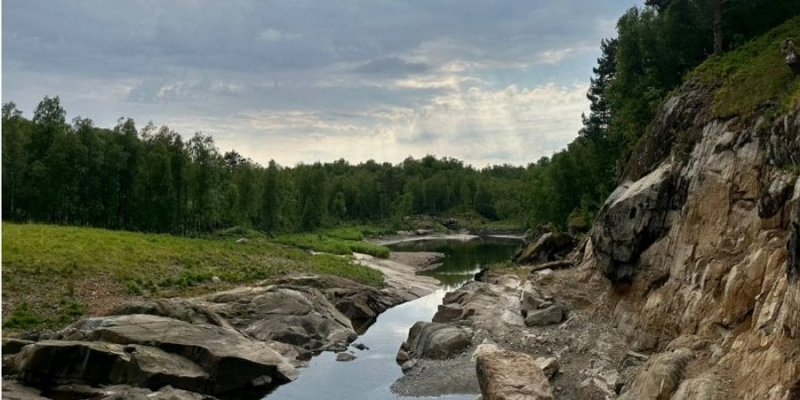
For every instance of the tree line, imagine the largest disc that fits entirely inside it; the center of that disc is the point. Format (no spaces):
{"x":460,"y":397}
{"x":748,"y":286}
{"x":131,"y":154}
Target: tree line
{"x":152,"y":179}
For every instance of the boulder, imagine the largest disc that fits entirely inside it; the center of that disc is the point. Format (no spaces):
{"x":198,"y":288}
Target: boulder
{"x":300,"y":316}
{"x":232,"y":360}
{"x":437,"y":341}
{"x":547,"y":316}
{"x":632,"y":218}
{"x":505,"y":375}
{"x":659,"y":377}
{"x":52,"y":362}
{"x":550,"y":246}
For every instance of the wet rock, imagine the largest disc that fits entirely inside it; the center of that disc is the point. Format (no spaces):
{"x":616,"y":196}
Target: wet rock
{"x":360,"y":346}
{"x":549,"y":365}
{"x":511,"y":376}
{"x":548,"y":316}
{"x":345,"y":356}
{"x":165,"y":393}
{"x":437,"y":341}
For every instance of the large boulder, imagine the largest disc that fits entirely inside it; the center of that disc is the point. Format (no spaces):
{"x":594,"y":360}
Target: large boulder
{"x":232,"y":360}
{"x":191,"y":311}
{"x":437,"y":341}
{"x":550,"y":246}
{"x":15,"y":391}
{"x":300,"y":316}
{"x":633,"y":217}
{"x":505,"y":375}
{"x":546,"y":316}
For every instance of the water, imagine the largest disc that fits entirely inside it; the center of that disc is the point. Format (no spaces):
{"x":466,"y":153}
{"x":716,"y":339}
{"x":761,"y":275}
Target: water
{"x":371,"y":375}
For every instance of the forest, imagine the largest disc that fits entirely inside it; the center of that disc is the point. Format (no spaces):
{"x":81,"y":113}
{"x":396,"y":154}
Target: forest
{"x":153,"y":179}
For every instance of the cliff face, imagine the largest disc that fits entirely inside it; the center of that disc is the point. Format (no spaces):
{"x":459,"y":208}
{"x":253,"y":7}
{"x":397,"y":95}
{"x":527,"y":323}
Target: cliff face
{"x":700,"y":249}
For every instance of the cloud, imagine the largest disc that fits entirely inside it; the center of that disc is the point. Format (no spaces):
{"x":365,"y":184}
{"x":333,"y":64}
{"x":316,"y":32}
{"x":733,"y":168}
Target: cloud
{"x":305,"y":80}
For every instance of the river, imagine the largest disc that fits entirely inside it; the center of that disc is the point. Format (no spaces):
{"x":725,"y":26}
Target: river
{"x":371,"y":375}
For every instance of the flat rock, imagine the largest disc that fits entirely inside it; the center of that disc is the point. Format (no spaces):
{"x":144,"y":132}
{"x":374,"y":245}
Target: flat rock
{"x":548,"y":316}
{"x":233,"y":360}
{"x":345,"y":356}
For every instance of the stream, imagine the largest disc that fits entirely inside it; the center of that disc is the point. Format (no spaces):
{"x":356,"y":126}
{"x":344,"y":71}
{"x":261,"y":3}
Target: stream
{"x":371,"y":375}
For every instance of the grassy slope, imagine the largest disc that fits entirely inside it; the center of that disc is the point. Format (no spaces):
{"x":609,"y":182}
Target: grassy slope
{"x":46,"y":269}
{"x":343,"y":240}
{"x":753,"y":74}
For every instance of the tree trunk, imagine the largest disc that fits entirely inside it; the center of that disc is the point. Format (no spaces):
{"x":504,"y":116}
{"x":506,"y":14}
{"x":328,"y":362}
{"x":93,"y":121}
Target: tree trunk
{"x":718,"y":27}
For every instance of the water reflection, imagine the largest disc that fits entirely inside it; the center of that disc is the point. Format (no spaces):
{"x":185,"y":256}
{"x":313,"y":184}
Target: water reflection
{"x":370,"y":375}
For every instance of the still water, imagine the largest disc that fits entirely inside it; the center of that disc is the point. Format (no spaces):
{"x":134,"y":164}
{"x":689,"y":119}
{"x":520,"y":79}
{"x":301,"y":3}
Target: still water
{"x":370,"y":376}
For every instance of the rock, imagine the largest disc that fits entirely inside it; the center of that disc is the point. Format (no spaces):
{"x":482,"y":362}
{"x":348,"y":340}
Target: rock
{"x":233,"y":360}
{"x":484,"y":347}
{"x":242,"y":240}
{"x":549,"y":365}
{"x":193,"y":312}
{"x":13,"y":346}
{"x":345,"y":356}
{"x":659,"y":377}
{"x":59,"y":362}
{"x":98,"y":363}
{"x":360,"y":346}
{"x":706,"y":387}
{"x":408,"y":366}
{"x":15,"y":391}
{"x":544,"y":276}
{"x":550,"y":246}
{"x":215,"y":279}
{"x":793,"y":244}
{"x":448,"y":313}
{"x":631,"y":219}
{"x":511,"y":376}
{"x":300,"y":316}
{"x":595,"y":388}
{"x":165,"y":393}
{"x":437,"y":341}
{"x":402,"y":356}
{"x":364,"y":303}
{"x":548,"y":316}
{"x":612,"y":379}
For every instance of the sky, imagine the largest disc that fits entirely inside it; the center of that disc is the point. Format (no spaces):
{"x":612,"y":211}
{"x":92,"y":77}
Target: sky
{"x":486,"y":81}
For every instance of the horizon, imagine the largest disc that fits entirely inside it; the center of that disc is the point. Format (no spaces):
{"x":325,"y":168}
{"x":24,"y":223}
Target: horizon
{"x":313,"y":82}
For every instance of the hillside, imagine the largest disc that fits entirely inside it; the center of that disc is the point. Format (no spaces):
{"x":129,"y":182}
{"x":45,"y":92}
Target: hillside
{"x":697,"y":248}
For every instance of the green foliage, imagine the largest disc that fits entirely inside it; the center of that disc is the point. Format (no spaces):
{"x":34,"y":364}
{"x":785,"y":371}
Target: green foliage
{"x":22,"y":317}
{"x":752,"y":75}
{"x":342,"y":241}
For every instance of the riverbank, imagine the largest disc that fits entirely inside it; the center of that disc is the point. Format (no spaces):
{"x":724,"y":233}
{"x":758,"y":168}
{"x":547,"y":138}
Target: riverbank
{"x":264,"y":331}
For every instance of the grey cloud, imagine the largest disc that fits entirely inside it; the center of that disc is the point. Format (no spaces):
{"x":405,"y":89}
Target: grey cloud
{"x":391,"y":66}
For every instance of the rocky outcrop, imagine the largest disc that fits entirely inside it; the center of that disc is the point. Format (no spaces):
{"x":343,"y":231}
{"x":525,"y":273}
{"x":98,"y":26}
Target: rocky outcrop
{"x":505,"y":375}
{"x":436,"y":341}
{"x":699,"y":245}
{"x":297,"y":315}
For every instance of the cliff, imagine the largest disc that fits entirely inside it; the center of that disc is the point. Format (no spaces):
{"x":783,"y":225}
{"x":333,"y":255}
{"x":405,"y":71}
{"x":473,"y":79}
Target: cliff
{"x":698,"y":250}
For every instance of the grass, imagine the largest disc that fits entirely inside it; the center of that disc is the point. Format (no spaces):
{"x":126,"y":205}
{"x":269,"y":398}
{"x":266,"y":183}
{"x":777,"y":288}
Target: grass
{"x":753,"y":75}
{"x":343,"y":241}
{"x":45,"y":268}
